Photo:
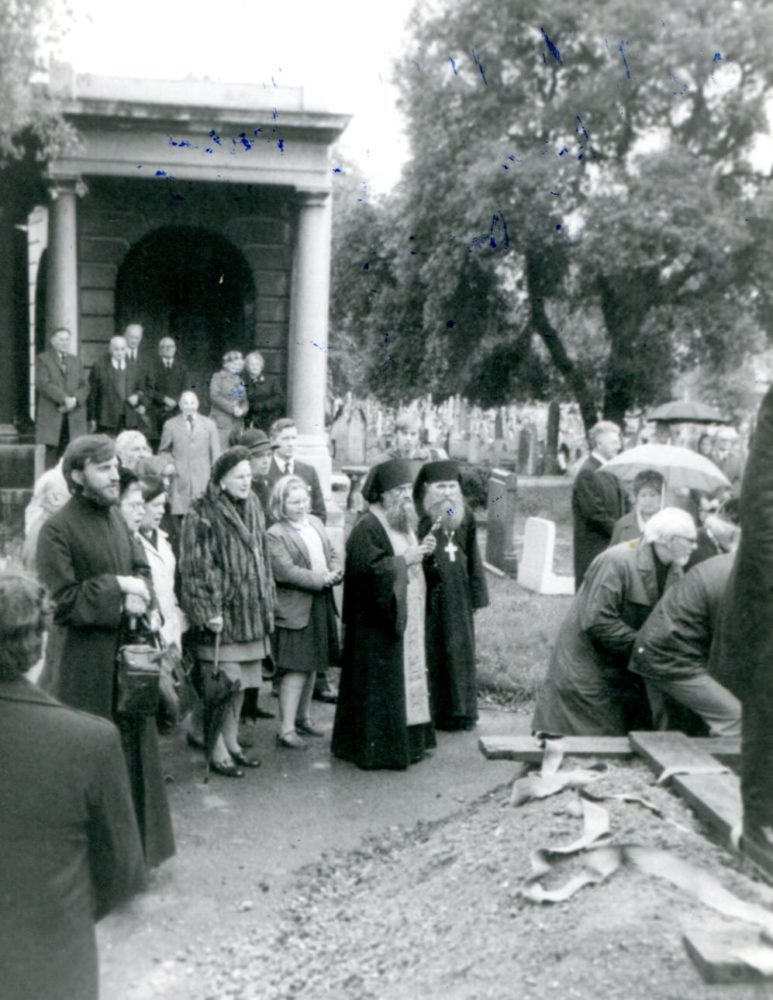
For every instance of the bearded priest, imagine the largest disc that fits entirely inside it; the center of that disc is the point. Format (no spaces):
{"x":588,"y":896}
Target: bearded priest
{"x":456,"y":587}
{"x":383,"y":718}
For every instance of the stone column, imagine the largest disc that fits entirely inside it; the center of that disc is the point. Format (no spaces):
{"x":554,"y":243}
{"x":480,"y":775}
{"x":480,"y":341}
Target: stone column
{"x":62,"y":290}
{"x":308,"y":336}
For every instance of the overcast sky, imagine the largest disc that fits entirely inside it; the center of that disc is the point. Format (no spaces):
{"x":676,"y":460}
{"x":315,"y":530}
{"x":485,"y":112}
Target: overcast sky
{"x":341,"y":51}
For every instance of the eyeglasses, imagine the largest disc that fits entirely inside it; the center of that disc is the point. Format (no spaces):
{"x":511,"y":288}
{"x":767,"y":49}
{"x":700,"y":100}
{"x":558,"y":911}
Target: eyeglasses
{"x":692,"y":542}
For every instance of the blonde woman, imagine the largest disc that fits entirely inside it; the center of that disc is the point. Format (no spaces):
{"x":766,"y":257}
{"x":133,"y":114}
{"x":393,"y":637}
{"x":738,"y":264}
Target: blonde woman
{"x":305,"y":569}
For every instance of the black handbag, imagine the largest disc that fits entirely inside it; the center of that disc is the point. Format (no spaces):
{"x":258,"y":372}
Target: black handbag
{"x":138,"y":679}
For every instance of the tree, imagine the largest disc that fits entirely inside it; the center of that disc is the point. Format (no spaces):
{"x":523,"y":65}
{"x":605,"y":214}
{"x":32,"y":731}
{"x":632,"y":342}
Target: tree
{"x":578,"y":199}
{"x":30,"y":120}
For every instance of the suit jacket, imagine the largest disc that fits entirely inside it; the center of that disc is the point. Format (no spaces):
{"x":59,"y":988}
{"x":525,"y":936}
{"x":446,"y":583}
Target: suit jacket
{"x":108,"y":404}
{"x":164,"y":382}
{"x":626,"y":529}
{"x":193,"y":453}
{"x":71,"y":847}
{"x":309,"y":475}
{"x":266,"y":400}
{"x":53,"y":385}
{"x":296,"y":581}
{"x":598,"y":500}
{"x":140,"y":369}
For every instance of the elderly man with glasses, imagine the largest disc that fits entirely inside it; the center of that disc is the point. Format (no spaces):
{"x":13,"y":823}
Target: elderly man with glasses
{"x":589,"y":689}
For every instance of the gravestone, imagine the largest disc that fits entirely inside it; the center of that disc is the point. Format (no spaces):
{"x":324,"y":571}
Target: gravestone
{"x":20,"y":466}
{"x":535,"y":569}
{"x":527,"y":451}
{"x":502,"y":499}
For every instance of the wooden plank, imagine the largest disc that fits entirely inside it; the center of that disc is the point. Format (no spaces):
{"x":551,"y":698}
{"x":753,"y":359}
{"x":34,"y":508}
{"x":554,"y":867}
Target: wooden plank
{"x":726,"y":749}
{"x":669,"y":749}
{"x":714,"y":951}
{"x":529,"y":750}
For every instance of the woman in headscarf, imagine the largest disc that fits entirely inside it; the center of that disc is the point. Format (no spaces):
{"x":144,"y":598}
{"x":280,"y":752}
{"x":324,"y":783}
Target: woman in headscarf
{"x":228,"y":591}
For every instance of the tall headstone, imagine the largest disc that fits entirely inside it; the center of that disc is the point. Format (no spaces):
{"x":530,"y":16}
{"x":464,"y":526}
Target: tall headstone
{"x":535,"y":570}
{"x":501,"y":509}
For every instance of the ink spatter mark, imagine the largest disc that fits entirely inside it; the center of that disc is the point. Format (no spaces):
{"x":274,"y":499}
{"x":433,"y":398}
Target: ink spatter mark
{"x":717,"y":57}
{"x":555,"y":194}
{"x":453,"y":65}
{"x":366,"y":266}
{"x":450,"y":324}
{"x":257,"y":131}
{"x":181,"y":143}
{"x":274,"y":114}
{"x":624,"y":57}
{"x":479,"y":64}
{"x":552,"y":47}
{"x":337,"y":170}
{"x":316,"y":343}
{"x":215,"y":137}
{"x":559,"y":227}
{"x":584,"y":135}
{"x":513,"y":159}
{"x":497,"y":238}
{"x":246,"y":144}
{"x":280,"y":145}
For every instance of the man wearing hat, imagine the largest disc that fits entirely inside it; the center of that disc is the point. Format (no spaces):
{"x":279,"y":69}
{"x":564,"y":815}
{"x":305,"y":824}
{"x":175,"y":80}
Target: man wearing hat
{"x":383,"y":716}
{"x":456,"y":587}
{"x":258,"y":445}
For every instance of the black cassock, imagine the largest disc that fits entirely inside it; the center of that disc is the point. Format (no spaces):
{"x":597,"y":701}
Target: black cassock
{"x":81,"y":550}
{"x":370,"y":724}
{"x":456,"y":586}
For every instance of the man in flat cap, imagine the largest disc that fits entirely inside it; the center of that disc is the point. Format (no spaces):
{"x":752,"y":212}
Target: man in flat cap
{"x":456,"y":587}
{"x":383,"y":714}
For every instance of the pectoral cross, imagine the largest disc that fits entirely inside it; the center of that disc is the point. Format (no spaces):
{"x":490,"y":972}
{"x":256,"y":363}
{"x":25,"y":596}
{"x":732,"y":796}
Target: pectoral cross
{"x":451,"y":549}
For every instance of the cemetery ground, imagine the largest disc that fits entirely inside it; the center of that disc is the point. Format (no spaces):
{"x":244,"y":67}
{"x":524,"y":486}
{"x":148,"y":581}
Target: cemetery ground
{"x":310,"y":878}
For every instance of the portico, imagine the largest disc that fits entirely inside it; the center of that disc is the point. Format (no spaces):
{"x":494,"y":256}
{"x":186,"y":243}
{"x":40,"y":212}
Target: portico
{"x":203,"y":211}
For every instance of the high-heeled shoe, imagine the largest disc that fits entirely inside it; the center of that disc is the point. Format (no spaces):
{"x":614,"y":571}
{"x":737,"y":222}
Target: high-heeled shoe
{"x":245,"y":761}
{"x":226,"y":769}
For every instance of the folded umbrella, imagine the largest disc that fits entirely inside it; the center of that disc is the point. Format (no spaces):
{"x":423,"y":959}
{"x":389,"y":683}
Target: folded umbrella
{"x":218,"y":691}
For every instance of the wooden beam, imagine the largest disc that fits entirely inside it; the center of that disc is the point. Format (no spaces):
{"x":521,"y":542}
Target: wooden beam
{"x":717,"y":952}
{"x":528,"y":749}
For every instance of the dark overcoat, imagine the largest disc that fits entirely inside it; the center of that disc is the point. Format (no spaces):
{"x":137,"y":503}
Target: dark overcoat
{"x":108,"y":402}
{"x":225,"y":569}
{"x":82,"y":549}
{"x":370,"y":722}
{"x":588,"y":689}
{"x":674,"y":642}
{"x":52,"y":386}
{"x":266,"y":400}
{"x":70,"y":845}
{"x":455,"y":589}
{"x":163,"y":383}
{"x":742,"y":654}
{"x":598,"y":500}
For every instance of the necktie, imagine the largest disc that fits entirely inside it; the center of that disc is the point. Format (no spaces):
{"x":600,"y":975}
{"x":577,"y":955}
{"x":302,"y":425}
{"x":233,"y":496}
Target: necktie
{"x":289,"y":467}
{"x":189,"y":418}
{"x":63,"y":362}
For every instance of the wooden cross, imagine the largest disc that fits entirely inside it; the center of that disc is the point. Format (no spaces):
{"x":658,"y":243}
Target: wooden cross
{"x":451,"y":549}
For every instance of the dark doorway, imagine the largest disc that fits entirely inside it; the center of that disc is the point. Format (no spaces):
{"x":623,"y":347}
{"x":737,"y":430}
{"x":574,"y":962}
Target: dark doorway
{"x":191,"y":284}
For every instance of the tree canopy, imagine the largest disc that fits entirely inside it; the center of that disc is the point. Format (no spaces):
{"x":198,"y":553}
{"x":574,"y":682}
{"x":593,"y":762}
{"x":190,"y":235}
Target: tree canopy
{"x":580,"y":215}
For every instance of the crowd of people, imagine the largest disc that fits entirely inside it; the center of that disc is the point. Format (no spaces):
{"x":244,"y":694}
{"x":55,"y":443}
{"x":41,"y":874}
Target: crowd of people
{"x":206,"y":537}
{"x":635,"y":649}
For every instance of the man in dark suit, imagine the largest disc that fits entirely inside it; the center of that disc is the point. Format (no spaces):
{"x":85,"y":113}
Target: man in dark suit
{"x":284,"y":436}
{"x":598,"y":499}
{"x":71,"y":848}
{"x":62,"y":389}
{"x":138,"y":359}
{"x":115,"y":403}
{"x":167,"y":380}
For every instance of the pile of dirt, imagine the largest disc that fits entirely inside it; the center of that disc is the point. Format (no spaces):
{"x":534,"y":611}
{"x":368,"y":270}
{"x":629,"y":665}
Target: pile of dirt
{"x":436,"y":912}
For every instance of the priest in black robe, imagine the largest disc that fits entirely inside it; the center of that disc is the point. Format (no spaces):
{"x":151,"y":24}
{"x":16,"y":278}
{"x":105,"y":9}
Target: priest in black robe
{"x":456,"y":588}
{"x":97,"y":576}
{"x":383,"y":717}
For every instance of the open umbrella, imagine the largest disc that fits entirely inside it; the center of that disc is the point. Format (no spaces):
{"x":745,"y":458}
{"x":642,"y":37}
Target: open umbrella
{"x":686,"y":411}
{"x":218,"y":691}
{"x":680,"y":467}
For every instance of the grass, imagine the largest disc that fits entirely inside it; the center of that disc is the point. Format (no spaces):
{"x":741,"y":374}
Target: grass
{"x":514,"y":637}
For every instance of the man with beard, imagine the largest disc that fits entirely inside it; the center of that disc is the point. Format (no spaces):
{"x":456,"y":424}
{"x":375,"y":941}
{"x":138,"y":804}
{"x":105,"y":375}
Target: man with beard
{"x":383,"y":717}
{"x":97,"y":575}
{"x":456,"y":587}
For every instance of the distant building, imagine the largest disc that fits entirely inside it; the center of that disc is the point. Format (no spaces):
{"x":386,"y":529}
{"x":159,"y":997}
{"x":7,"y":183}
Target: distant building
{"x":201,"y":210}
